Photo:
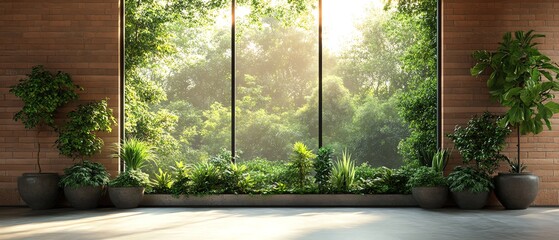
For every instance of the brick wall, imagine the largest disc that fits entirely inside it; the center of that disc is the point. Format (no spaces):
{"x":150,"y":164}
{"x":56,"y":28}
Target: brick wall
{"x":479,"y":24}
{"x":80,"y":37}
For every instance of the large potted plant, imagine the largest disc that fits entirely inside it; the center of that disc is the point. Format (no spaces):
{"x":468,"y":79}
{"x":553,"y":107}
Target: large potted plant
{"x":428,"y":184}
{"x":42,"y":93}
{"x":479,"y":143}
{"x":127,"y":190}
{"x":522,"y":79}
{"x":84,"y":182}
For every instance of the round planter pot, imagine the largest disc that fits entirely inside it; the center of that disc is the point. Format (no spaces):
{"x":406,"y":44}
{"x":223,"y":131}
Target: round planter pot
{"x":469,"y":200}
{"x":126,"y":197}
{"x":516,"y":190}
{"x":430,"y":197}
{"x":83,"y":197}
{"x":38,"y":190}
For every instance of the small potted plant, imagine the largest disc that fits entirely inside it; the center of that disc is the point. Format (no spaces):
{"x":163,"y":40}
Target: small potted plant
{"x":479,"y":143}
{"x":127,"y":190}
{"x":42,"y":93}
{"x":523,"y":80}
{"x":428,"y":184}
{"x":84,"y":182}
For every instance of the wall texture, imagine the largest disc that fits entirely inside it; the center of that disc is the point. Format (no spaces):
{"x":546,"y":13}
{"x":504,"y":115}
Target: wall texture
{"x":479,"y":24}
{"x":80,"y":37}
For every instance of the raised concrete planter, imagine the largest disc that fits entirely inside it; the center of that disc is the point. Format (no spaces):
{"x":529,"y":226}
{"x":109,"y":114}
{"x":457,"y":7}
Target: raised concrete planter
{"x":279,"y":200}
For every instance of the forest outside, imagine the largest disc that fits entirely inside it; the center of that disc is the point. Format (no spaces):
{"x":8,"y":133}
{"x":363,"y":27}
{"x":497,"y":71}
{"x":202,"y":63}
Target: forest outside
{"x":379,"y":79}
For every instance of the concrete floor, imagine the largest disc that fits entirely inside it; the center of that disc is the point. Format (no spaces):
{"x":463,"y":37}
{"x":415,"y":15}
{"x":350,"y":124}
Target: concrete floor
{"x":279,"y":223}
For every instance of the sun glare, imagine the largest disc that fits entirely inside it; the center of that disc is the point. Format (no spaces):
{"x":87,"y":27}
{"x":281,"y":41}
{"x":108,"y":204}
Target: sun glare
{"x":339,"y":20}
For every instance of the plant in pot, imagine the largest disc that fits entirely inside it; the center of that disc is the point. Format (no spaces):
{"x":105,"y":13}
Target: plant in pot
{"x":84,"y":182}
{"x":523,"y":80}
{"x":42,"y":93}
{"x":479,"y":143}
{"x":127,"y":190}
{"x":428,"y":184}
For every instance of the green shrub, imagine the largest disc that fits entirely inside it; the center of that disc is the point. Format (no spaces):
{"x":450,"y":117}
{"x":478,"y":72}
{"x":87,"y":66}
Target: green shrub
{"x":343,"y":174}
{"x":323,"y":169}
{"x":468,"y":178}
{"x":268,"y":176}
{"x":130,"y":178}
{"x":85,"y":173}
{"x":135,"y":153}
{"x":426,"y":177}
{"x":162,"y":182}
{"x":301,"y":165}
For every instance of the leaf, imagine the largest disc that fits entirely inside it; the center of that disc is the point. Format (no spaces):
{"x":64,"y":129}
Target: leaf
{"x":553,"y":106}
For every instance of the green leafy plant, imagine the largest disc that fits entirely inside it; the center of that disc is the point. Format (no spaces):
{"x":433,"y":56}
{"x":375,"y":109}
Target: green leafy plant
{"x":343,"y":174}
{"x":85,"y":173}
{"x":383,"y":180}
{"x":481,"y":141}
{"x":77,"y":138}
{"x":426,"y":177}
{"x":181,"y":179}
{"x":301,"y":164}
{"x":42,"y":93}
{"x":440,"y":160}
{"x":135,"y":153}
{"x":131,"y":178}
{"x":523,"y":80}
{"x":323,"y":168}
{"x":162,"y":182}
{"x":469,"y":179}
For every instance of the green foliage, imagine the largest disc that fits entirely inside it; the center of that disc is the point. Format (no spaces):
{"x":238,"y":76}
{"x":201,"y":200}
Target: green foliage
{"x":162,"y":182}
{"x":206,"y":178}
{"x":269,"y":177}
{"x":469,"y":179}
{"x":77,"y":137}
{"x":131,"y":178}
{"x":323,"y":168}
{"x":301,"y":164}
{"x":440,"y":160}
{"x":343,"y":174}
{"x":481,"y":142}
{"x":85,"y":173}
{"x":383,"y":180}
{"x":42,"y":93}
{"x":522,"y":79}
{"x":134,"y":153}
{"x":426,"y":177}
{"x":181,"y":179}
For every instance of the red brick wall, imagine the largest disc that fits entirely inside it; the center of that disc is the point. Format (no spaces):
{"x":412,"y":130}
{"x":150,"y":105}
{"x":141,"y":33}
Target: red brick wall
{"x":479,"y":24}
{"x":80,"y":37}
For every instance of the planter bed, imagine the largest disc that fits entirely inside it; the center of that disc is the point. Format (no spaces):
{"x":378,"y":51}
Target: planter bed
{"x":279,"y":200}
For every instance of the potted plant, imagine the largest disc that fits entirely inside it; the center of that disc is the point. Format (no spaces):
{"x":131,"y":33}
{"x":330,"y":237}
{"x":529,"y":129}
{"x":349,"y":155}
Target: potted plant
{"x":479,"y":143}
{"x":428,"y":184}
{"x":127,"y":190}
{"x":83,"y":183}
{"x":42,"y":93}
{"x":523,"y":80}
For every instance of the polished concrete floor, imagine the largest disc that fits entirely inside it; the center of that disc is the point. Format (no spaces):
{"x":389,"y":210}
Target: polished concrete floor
{"x":279,"y":223}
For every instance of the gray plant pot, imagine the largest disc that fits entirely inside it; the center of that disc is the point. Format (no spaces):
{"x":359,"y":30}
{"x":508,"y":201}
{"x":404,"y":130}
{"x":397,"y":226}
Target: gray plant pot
{"x":470,"y":200}
{"x":38,"y":190}
{"x":126,"y":197}
{"x":83,"y":197}
{"x":430,"y":197}
{"x":516,"y":190}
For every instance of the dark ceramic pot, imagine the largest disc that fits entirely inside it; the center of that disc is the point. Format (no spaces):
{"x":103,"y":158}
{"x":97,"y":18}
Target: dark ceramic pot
{"x":38,"y":190}
{"x":86,"y":197}
{"x":470,"y":200}
{"x":430,"y":197}
{"x":126,"y":197}
{"x":516,"y":190}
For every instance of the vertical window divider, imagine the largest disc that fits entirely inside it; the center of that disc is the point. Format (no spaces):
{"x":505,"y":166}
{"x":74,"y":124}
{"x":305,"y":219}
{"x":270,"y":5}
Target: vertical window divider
{"x":233,"y":81}
{"x":319,"y":73}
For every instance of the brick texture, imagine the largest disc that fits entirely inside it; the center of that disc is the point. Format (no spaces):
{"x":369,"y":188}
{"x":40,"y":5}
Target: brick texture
{"x":80,"y":37}
{"x":477,"y":25}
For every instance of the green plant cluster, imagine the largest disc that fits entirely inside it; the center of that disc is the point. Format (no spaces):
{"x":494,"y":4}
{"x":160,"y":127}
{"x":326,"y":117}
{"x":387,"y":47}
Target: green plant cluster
{"x":85,"y":173}
{"x":468,"y":178}
{"x":426,"y":177}
{"x":131,"y":178}
{"x":481,"y":141}
{"x":220,"y":176}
